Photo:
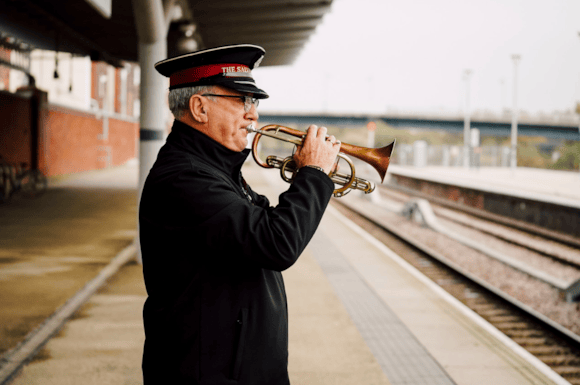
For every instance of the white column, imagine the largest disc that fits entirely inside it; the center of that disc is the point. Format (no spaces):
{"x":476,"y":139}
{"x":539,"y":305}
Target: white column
{"x":151,"y":22}
{"x":153,"y":96}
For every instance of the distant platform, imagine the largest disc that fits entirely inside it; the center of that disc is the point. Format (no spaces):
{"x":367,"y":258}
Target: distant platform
{"x":544,"y":198}
{"x":559,"y":186}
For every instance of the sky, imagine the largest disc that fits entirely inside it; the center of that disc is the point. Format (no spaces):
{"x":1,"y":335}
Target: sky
{"x":378,"y":56}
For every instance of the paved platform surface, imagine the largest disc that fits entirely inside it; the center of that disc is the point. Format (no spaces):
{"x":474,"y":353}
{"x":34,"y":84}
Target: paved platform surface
{"x":357,"y":315}
{"x":561,"y":186}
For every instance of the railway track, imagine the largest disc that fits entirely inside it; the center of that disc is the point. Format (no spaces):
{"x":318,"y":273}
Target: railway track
{"x":550,"y":342}
{"x":540,"y":257}
{"x":564,"y":250}
{"x":563,"y":239}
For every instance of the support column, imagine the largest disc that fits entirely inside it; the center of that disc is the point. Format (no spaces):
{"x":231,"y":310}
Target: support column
{"x":152,"y":19}
{"x":153,"y":96}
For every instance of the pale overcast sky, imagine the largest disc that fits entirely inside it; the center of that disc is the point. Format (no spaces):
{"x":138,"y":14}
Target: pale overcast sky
{"x":379,"y":55}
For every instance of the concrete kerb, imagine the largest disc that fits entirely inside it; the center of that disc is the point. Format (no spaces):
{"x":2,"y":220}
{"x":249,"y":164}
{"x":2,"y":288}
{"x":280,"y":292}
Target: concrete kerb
{"x":502,"y":338}
{"x":420,"y":209}
{"x":14,"y":359}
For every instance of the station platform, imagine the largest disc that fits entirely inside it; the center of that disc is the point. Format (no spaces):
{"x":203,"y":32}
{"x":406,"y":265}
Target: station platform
{"x":549,"y":185}
{"x":536,"y":200}
{"x":358,"y":313}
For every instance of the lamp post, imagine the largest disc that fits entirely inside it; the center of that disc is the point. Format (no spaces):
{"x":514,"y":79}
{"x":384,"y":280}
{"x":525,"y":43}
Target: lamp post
{"x":515,"y":112}
{"x":577,"y":111}
{"x":466,"y":122}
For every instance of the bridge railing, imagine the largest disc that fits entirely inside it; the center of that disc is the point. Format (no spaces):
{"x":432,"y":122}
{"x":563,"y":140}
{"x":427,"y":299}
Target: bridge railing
{"x":420,"y":154}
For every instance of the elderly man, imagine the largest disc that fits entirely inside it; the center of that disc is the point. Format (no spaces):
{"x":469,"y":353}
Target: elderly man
{"x":213,"y":249}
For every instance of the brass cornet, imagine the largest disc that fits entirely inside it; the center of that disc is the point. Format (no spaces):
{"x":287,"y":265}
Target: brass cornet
{"x":377,"y":157}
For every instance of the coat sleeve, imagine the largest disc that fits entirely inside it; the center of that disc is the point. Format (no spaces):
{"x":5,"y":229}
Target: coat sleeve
{"x":234,"y":229}
{"x":259,"y":200}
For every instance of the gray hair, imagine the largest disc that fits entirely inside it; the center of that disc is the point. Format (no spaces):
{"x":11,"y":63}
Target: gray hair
{"x":179,"y":98}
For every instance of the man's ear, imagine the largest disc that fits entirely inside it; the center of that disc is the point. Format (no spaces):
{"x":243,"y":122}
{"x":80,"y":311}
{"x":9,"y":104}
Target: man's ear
{"x":198,"y":109}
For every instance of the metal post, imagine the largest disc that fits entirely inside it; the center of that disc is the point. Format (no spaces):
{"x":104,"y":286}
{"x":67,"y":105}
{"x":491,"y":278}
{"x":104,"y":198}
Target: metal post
{"x":467,"y":122}
{"x":515,"y":112}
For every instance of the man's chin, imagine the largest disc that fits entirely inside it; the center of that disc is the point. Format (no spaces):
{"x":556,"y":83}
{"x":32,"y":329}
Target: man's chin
{"x":241,"y":145}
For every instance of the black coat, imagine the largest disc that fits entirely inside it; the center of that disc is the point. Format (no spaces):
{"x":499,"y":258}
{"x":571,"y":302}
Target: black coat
{"x":216,"y":311}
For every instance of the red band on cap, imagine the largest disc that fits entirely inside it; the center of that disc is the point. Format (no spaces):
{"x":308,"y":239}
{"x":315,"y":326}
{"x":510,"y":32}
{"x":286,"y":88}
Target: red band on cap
{"x":192,"y":75}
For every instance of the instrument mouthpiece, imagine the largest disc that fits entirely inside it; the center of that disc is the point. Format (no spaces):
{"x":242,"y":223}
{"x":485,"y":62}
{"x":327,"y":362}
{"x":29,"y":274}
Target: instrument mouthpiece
{"x":250,"y":128}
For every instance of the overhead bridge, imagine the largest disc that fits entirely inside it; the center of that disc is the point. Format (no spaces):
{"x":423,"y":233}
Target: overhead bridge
{"x":487,"y":125}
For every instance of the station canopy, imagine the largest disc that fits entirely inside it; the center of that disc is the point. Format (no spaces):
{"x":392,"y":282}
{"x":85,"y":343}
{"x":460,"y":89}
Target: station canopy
{"x":105,"y":29}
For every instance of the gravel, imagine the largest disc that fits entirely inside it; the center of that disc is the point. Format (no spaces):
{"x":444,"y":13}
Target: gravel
{"x":539,"y":295}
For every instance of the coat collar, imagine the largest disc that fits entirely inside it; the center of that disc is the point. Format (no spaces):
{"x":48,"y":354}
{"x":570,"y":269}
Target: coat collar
{"x":192,"y":141}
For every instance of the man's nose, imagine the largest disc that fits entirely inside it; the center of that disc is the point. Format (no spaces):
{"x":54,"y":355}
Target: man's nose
{"x":252,"y":114}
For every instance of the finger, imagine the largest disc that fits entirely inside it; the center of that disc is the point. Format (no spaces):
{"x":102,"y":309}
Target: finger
{"x":331,"y":139}
{"x":311,"y":132}
{"x":322,"y":132}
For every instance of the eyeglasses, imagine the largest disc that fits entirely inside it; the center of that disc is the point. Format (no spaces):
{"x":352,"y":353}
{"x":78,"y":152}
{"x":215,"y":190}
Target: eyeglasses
{"x":247,"y":100}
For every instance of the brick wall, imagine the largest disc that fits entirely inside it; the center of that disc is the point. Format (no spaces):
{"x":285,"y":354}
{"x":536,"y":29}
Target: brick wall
{"x":75,"y":141}
{"x":71,"y":140}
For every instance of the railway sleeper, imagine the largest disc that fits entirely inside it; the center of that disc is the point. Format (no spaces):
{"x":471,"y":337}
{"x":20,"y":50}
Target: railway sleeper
{"x":434,"y":273}
{"x":567,"y":371}
{"x":481,"y":303}
{"x":512,"y":325}
{"x":561,"y":359}
{"x":491,"y":311}
{"x":525,"y":333}
{"x":507,"y":318}
{"x":541,"y":351}
{"x":447,"y":281}
{"x":529,"y":341}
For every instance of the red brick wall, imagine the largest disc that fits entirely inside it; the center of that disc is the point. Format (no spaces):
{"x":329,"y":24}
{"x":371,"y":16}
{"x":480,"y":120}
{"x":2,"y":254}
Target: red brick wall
{"x":72,"y":142}
{"x":123,"y":138}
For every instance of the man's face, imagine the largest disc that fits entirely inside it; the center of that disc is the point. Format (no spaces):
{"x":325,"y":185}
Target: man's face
{"x":227,"y":120}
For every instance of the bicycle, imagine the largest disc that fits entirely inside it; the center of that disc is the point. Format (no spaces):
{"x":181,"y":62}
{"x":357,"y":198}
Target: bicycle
{"x":13,"y":178}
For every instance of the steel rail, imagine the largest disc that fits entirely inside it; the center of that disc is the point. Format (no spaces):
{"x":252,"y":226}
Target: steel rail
{"x":566,"y":340}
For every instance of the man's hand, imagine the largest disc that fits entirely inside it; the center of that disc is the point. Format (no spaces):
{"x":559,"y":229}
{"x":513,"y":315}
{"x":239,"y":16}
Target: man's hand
{"x":317,"y":149}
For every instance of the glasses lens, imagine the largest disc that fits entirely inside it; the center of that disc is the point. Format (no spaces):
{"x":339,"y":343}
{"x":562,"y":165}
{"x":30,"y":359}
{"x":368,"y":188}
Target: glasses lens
{"x":248,"y":101}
